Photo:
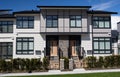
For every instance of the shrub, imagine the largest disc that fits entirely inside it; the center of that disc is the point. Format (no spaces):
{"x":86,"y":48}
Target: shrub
{"x":66,"y":63}
{"x":91,"y":61}
{"x":9,"y":66}
{"x":22,"y":64}
{"x":45,"y":63}
{"x":38,"y":64}
{"x":27,"y":64}
{"x":3,"y":65}
{"x":16,"y":64}
{"x":100,"y":62}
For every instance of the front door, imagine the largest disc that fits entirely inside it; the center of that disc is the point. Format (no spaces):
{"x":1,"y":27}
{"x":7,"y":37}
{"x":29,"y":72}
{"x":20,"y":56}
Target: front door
{"x":52,"y":45}
{"x":74,"y":47}
{"x":74,"y":44}
{"x":53,"y":48}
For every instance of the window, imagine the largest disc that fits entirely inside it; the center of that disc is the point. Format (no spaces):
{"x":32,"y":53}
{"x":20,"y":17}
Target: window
{"x":25,"y":45}
{"x":6,"y":50}
{"x":118,"y":51}
{"x":101,"y":45}
{"x":6,"y":26}
{"x":52,"y":21}
{"x":101,"y":22}
{"x":75,"y":21}
{"x":25,"y":22}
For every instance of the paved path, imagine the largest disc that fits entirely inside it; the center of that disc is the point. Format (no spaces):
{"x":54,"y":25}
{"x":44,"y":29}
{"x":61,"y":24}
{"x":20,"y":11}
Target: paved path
{"x":58,"y":72}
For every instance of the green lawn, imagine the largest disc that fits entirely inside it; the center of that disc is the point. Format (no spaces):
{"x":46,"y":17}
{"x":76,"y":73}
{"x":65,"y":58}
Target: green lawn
{"x":112,"y":74}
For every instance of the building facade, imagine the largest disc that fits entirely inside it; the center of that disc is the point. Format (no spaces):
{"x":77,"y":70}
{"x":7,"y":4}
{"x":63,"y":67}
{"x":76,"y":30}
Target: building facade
{"x":74,"y":32}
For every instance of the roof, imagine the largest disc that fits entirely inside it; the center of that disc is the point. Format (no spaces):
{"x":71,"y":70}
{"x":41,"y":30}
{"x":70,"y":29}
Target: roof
{"x":64,"y":6}
{"x":100,"y":12}
{"x":5,"y":10}
{"x":27,"y":12}
{"x":7,"y":16}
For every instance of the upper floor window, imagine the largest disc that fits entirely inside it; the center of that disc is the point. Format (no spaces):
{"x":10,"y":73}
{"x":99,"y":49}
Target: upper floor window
{"x":101,"y":45}
{"x":75,"y":21}
{"x":25,"y":22}
{"x":101,"y":22}
{"x":52,"y":21}
{"x":25,"y":45}
{"x":6,"y":26}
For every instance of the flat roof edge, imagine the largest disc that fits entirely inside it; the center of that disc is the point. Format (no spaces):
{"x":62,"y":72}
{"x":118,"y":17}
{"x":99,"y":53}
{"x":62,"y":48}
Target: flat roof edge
{"x":64,"y":6}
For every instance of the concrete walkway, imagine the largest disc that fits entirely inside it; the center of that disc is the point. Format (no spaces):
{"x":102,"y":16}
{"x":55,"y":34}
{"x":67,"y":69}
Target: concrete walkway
{"x":58,"y":72}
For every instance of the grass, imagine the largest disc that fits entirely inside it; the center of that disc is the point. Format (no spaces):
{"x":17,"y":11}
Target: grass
{"x":108,"y":74}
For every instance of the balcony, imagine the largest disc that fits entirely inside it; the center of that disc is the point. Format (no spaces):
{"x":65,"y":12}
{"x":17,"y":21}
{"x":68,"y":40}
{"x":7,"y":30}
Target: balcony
{"x":63,"y":30}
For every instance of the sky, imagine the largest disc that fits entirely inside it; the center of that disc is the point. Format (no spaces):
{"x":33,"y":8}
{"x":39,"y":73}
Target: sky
{"x":107,"y":5}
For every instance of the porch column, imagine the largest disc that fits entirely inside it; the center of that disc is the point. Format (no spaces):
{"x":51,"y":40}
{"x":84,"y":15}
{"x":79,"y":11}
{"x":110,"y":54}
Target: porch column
{"x":64,"y":45}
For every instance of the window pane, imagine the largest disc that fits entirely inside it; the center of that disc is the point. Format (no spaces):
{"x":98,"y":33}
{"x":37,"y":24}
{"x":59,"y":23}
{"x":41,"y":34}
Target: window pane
{"x":10,"y":28}
{"x":72,"y":17}
{"x":101,"y":39}
{"x":54,"y":17}
{"x":119,"y":51}
{"x":96,"y":52}
{"x":0,"y":29}
{"x":102,"y":45}
{"x":95,"y":45}
{"x":10,"y":50}
{"x":49,"y":23}
{"x":4,"y":28}
{"x":25,"y":24}
{"x":95,"y":39}
{"x":107,"y":18}
{"x":4,"y":49}
{"x":31,"y":24}
{"x":19,"y":46}
{"x":107,"y":24}
{"x":95,"y":18}
{"x":25,"y":46}
{"x":31,"y":46}
{"x":102,"y":52}
{"x":31,"y":18}
{"x":107,"y":51}
{"x":19,"y":24}
{"x":107,"y":45}
{"x":78,"y":23}
{"x":55,"y":23}
{"x":95,"y":24}
{"x":72,"y":23}
{"x":49,"y":17}
{"x":101,"y":24}
{"x":78,"y":17}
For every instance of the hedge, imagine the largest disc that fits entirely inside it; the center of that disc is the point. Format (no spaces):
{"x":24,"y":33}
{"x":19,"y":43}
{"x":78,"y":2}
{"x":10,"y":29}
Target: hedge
{"x":112,"y":61}
{"x":20,"y":65}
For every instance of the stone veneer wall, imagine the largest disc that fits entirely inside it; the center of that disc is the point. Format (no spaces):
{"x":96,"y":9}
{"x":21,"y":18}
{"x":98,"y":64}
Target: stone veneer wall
{"x":64,"y":45}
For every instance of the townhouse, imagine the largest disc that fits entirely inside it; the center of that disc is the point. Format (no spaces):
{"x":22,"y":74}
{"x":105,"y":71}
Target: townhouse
{"x":74,"y":32}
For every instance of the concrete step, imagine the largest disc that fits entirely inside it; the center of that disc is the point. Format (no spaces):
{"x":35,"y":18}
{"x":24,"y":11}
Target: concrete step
{"x":79,"y":70}
{"x":54,"y":71}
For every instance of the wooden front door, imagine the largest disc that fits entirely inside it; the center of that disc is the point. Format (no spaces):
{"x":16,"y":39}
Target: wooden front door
{"x":74,"y":47}
{"x":53,"y":48}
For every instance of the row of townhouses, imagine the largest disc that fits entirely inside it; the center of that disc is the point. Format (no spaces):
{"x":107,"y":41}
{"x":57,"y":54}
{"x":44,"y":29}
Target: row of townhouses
{"x":74,"y":32}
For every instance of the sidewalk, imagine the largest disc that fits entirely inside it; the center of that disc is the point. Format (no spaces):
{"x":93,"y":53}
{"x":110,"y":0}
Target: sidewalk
{"x":58,"y":72}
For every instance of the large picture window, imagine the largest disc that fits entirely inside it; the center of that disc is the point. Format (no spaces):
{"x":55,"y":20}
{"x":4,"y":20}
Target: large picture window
{"x":101,"y":45}
{"x":75,"y":21}
{"x":25,"y":45}
{"x":6,"y":50}
{"x":6,"y":26}
{"x":52,"y":21}
{"x":101,"y":22}
{"x":25,"y":22}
